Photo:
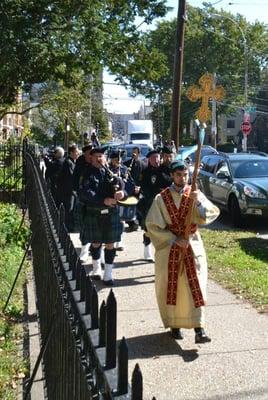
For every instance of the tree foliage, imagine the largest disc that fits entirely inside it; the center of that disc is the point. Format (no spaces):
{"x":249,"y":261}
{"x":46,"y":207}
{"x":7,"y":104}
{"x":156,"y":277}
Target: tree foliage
{"x":212,"y":44}
{"x":78,"y":106}
{"x":51,"y":40}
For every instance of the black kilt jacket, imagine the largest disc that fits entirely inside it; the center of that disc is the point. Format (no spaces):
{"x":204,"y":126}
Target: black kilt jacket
{"x":99,"y":223}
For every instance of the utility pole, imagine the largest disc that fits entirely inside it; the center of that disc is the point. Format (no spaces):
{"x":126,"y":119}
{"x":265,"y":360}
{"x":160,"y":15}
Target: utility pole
{"x":66,"y":134}
{"x":144,"y":109}
{"x":246,"y":54}
{"x":246,"y":116}
{"x":177,"y":73}
{"x":214,"y":116}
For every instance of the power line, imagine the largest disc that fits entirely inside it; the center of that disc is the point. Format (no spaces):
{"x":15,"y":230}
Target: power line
{"x":123,"y":98}
{"x":114,"y":83}
{"x":241,"y":108}
{"x":216,"y":2}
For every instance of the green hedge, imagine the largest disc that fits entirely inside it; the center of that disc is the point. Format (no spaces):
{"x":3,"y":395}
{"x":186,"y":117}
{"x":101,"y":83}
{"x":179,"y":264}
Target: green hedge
{"x":12,"y":241}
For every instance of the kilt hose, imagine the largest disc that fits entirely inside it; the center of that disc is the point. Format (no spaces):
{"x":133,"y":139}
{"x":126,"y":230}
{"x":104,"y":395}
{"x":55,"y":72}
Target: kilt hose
{"x":101,"y":228}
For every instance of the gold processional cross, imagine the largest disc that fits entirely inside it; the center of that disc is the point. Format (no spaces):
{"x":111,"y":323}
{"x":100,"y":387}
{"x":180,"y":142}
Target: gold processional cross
{"x":205,"y":92}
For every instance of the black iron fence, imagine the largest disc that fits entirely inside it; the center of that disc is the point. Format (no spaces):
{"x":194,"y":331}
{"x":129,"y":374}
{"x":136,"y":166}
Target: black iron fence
{"x":11,"y":177}
{"x":79,"y":341}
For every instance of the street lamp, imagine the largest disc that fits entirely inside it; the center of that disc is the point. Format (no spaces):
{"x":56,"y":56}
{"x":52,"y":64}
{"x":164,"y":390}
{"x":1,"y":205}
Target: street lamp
{"x":246,"y":117}
{"x":219,"y":16}
{"x":66,"y":134}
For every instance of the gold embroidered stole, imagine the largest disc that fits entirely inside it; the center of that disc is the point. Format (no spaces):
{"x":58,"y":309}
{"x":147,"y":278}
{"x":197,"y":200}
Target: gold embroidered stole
{"x":178,"y":225}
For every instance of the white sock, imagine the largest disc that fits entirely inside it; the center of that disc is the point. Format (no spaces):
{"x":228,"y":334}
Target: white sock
{"x":96,"y":267}
{"x":148,"y":252}
{"x":84,"y":252}
{"x":108,"y":272}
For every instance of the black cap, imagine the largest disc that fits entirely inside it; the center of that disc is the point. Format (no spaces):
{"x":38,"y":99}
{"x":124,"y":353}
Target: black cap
{"x":97,"y":150}
{"x":152,"y":152}
{"x":166,"y":150}
{"x":87,"y":147}
{"x":115,"y":154}
{"x":178,"y":164}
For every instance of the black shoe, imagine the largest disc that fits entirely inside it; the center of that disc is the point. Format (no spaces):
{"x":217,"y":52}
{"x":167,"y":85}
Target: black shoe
{"x":109,"y":283}
{"x":95,"y":277}
{"x":132,"y":226}
{"x":200,"y":336}
{"x":176,"y":333}
{"x":135,"y":227}
{"x":120,"y":248}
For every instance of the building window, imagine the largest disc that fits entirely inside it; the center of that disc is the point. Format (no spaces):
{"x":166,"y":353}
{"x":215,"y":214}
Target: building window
{"x":230,"y":123}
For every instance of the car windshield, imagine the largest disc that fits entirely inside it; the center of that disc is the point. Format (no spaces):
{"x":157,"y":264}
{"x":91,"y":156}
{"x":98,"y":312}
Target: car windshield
{"x":183,"y":149}
{"x":249,"y":168}
{"x":185,"y":152}
{"x":143,"y":151}
{"x":204,"y":152}
{"x":140,"y":136}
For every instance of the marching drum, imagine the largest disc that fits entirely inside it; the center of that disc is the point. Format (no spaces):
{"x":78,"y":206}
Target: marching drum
{"x":127,"y":208}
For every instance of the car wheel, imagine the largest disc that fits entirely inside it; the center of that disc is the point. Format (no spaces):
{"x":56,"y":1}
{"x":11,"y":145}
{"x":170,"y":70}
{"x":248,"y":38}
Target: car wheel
{"x":235,"y":212}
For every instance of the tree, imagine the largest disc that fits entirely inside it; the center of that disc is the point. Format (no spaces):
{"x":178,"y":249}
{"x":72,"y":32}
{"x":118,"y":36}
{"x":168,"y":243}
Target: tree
{"x":211,"y":45}
{"x":40,"y":137}
{"x":51,"y":40}
{"x":79,"y":107}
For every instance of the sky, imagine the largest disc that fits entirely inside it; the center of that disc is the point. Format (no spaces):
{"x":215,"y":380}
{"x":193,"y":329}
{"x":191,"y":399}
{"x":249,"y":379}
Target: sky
{"x":116,"y":97}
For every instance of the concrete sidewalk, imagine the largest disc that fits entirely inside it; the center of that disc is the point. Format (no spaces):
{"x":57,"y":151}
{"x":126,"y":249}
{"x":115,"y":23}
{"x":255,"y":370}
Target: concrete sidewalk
{"x":233,"y":366}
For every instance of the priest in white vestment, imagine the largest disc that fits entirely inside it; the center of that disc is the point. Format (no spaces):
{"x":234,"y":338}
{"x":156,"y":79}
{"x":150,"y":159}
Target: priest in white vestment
{"x":180,"y":258}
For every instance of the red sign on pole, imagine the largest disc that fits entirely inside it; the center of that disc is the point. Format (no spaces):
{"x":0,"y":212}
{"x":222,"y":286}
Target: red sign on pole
{"x":246,"y":127}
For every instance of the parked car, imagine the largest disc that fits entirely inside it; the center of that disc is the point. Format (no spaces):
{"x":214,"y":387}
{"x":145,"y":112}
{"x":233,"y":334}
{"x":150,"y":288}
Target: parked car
{"x":236,"y":182}
{"x":111,"y":146}
{"x":127,"y":150}
{"x":188,"y":153}
{"x":261,"y":153}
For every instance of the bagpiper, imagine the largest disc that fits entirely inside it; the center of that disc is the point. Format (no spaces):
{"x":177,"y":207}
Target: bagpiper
{"x":99,"y":191}
{"x":150,"y":187}
{"x":167,"y":156}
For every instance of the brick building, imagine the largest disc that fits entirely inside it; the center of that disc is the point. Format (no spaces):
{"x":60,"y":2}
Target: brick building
{"x":12,"y":124}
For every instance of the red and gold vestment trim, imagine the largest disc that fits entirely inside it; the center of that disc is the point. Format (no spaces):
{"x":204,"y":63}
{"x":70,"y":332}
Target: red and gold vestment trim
{"x":178,"y":226}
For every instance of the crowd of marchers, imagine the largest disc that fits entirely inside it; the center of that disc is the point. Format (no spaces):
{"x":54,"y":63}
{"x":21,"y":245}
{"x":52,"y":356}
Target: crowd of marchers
{"x":101,"y":195}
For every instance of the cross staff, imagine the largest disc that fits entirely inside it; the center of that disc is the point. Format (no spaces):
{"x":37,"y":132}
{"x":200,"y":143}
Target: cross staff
{"x":205,"y":92}
{"x":200,"y":137}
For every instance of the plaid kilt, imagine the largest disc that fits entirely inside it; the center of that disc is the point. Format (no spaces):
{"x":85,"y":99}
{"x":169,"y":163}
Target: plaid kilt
{"x":101,"y":228}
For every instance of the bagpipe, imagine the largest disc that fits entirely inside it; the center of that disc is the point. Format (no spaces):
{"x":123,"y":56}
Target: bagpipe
{"x":127,"y":207}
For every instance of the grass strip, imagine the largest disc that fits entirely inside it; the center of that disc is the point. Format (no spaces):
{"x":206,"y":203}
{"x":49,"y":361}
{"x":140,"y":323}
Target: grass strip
{"x":12,"y":366}
{"x":238,"y":260}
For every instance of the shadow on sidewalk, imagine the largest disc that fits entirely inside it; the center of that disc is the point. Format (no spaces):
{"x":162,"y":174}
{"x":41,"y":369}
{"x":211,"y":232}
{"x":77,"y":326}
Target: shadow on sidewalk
{"x":157,"y":345}
{"x":243,"y":394}
{"x":137,"y":280}
{"x":131,"y":263}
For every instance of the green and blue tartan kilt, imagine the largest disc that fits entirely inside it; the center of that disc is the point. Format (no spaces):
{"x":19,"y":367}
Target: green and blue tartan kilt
{"x":101,"y":228}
